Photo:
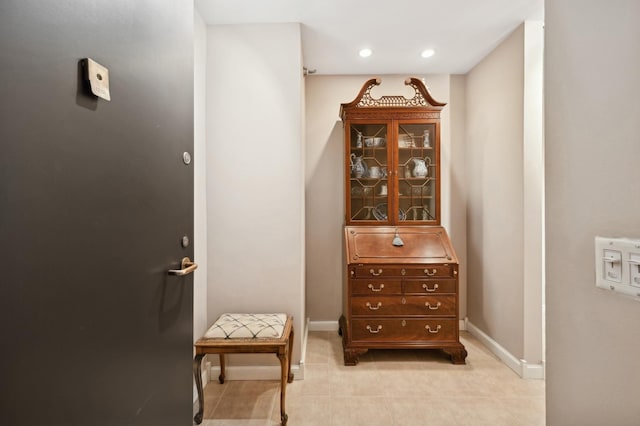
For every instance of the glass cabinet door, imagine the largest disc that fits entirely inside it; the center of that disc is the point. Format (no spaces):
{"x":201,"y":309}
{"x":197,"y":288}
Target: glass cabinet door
{"x":417,"y":171}
{"x":368,"y":189}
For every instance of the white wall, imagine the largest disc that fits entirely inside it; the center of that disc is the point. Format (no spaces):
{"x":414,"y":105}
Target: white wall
{"x":199,"y":157}
{"x":325,"y":181}
{"x":592,"y":103}
{"x":505,"y":180}
{"x":255,"y":171}
{"x":533,"y":190}
{"x":199,"y":160}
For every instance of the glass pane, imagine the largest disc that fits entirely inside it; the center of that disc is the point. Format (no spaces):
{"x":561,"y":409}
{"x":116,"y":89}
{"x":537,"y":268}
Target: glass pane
{"x":368,"y":172}
{"x":417,"y":171}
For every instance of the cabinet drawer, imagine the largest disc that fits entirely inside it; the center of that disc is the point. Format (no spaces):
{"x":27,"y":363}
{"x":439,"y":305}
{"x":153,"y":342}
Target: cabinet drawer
{"x":376,"y":286}
{"x":440,"y":306}
{"x":430,"y":286}
{"x":375,"y":271}
{"x":398,"y":330}
{"x":429,"y":271}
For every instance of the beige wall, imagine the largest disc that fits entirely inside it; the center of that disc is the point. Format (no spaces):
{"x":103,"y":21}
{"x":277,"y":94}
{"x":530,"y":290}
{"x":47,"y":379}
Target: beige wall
{"x":255,"y":171}
{"x":494,"y":131}
{"x":505,"y":175}
{"x":325,"y":185}
{"x":457,"y":185}
{"x":592,"y":101}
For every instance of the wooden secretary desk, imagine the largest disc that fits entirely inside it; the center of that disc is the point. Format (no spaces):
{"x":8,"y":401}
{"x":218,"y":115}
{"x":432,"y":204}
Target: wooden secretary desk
{"x":400,"y":269}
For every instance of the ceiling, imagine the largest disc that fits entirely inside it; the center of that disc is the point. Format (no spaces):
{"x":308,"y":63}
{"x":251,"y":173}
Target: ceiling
{"x":461,"y":32}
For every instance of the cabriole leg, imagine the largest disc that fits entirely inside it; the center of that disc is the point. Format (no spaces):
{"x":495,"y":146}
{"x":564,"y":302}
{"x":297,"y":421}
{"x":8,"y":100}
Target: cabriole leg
{"x":197,"y":374}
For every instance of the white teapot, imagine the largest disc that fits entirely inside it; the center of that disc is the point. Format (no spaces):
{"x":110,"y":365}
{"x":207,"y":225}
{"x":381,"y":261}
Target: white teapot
{"x":358,"y":167}
{"x":420,"y":168}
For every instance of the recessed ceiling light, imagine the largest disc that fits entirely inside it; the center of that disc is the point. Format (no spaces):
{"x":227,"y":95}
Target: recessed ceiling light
{"x":428,"y":53}
{"x":365,"y":53}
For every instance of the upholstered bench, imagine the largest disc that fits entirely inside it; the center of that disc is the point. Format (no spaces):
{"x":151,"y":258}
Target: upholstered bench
{"x":247,"y":333}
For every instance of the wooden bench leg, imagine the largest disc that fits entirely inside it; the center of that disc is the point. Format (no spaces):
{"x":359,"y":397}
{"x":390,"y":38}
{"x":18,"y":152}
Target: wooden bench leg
{"x":290,"y":376}
{"x":284,"y":361}
{"x":197,"y":373}
{"x":284,"y":354}
{"x":221,"y":376}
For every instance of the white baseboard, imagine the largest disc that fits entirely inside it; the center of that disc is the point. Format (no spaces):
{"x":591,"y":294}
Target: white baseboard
{"x":520,"y":366}
{"x":323,"y":326}
{"x":532,"y":371}
{"x":255,"y":372}
{"x":462,"y":325}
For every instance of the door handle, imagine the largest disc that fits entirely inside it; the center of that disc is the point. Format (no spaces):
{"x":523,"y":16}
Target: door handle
{"x":187,"y":267}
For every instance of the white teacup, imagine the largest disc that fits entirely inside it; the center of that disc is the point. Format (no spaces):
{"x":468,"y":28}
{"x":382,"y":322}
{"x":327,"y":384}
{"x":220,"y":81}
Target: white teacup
{"x":375,"y":172}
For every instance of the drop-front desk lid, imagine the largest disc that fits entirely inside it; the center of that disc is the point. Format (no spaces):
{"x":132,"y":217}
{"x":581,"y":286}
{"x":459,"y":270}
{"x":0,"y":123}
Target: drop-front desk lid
{"x":421,"y":244}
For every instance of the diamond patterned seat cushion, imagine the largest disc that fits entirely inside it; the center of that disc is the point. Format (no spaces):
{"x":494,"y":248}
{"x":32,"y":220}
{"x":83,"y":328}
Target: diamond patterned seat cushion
{"x":247,"y":326}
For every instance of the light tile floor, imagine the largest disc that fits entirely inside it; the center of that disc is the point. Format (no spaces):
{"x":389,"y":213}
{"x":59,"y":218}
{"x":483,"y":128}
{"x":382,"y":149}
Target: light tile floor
{"x":387,"y":388}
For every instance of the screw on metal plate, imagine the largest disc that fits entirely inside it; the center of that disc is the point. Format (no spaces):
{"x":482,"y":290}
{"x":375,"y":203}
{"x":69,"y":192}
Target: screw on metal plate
{"x":185,"y":241}
{"x":186,"y":158}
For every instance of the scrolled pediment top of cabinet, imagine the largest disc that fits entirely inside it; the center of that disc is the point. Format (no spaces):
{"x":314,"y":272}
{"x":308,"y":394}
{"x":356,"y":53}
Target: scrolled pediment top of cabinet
{"x":366,"y":106}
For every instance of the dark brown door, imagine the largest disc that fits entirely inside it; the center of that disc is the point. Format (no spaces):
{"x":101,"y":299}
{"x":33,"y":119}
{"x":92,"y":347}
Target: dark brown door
{"x":94,"y":202}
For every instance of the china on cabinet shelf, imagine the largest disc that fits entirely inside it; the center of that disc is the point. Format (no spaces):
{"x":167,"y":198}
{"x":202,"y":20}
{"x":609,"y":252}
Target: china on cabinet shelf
{"x":401,"y":271}
{"x":402,"y":137}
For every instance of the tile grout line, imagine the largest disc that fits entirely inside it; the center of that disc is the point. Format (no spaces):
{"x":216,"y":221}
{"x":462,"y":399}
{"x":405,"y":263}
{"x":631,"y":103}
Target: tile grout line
{"x":224,"y":390}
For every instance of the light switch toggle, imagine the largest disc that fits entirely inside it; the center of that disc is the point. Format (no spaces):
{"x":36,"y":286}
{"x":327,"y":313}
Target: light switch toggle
{"x":634,"y":269}
{"x":612,"y":265}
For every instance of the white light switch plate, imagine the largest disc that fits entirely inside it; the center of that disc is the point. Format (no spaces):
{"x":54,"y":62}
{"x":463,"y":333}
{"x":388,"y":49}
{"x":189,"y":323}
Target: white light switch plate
{"x":618,"y":265}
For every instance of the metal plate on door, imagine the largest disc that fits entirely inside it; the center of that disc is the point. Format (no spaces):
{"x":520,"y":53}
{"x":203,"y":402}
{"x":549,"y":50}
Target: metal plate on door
{"x":98,"y":76}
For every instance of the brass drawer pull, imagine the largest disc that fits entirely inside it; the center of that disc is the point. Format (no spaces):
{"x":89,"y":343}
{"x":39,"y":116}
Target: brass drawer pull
{"x":433,"y":308}
{"x":373,"y":308}
{"x":374,"y":273}
{"x":431,"y":290}
{"x":372,"y":331}
{"x":432,"y":273}
{"x":372,"y":288}
{"x":428,"y":328}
